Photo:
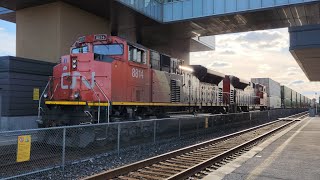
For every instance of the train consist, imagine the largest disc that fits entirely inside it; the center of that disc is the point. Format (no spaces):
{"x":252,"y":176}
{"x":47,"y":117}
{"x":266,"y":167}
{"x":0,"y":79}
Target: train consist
{"x":106,"y":78}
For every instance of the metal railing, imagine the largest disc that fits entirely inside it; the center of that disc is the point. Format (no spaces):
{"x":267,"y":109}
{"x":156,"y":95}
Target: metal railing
{"x":40,"y":99}
{"x":108,"y":118}
{"x":95,"y":93}
{"x":61,"y":146}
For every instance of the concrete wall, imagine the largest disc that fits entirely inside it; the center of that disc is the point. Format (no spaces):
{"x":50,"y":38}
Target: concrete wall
{"x":75,"y":23}
{"x":19,"y":77}
{"x":18,"y":123}
{"x":304,"y":37}
{"x":41,"y":42}
{"x":46,"y":32}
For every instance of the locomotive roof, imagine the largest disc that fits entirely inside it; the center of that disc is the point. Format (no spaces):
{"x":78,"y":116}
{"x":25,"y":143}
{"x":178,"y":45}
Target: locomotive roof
{"x":237,"y":82}
{"x":207,"y":75}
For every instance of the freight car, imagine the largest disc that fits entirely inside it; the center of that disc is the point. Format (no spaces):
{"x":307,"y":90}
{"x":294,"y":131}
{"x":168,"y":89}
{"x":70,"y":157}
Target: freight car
{"x":273,"y":91}
{"x":293,"y":99}
{"x":281,"y":96}
{"x":106,"y":78}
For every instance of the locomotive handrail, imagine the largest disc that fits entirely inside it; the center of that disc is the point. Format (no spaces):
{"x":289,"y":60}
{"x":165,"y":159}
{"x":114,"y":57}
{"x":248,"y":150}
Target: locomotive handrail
{"x":108,"y":120}
{"x":52,"y":94}
{"x":39,"y":105}
{"x":96,"y":96}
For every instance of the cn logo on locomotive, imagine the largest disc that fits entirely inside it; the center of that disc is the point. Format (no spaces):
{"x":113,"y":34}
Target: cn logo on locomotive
{"x":75,"y":76}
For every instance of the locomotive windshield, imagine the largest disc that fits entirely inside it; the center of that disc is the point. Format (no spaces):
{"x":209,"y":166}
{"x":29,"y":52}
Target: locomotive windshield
{"x":108,"y":49}
{"x":78,"y":50}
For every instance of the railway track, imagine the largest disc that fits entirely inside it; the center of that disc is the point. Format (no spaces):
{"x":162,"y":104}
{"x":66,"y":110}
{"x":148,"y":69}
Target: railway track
{"x":196,"y":161}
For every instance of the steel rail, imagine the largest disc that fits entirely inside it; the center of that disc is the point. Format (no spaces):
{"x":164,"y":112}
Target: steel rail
{"x":141,"y":164}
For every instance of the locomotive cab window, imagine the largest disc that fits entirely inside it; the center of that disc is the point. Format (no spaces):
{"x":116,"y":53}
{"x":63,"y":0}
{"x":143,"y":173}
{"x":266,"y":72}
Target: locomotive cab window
{"x":78,"y":50}
{"x":137,"y":55}
{"x":155,"y":60}
{"x":103,"y":51}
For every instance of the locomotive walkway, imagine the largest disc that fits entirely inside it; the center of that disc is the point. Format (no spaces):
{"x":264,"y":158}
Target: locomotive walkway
{"x":291,"y":154}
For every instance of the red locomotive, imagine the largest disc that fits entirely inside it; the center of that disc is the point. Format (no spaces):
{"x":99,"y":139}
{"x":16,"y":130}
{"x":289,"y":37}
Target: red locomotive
{"x":241,"y":95}
{"x":107,"y":78}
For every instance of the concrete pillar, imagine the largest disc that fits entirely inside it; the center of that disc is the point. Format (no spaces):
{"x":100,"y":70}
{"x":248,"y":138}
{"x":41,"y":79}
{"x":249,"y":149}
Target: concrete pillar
{"x":125,"y":25}
{"x":46,"y":32}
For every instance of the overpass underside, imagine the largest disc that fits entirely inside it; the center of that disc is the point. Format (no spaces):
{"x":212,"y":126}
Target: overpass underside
{"x":305,"y":48}
{"x":288,"y":16}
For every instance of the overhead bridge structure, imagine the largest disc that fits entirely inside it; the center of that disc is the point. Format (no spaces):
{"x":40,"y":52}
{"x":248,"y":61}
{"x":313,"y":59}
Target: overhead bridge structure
{"x":174,"y":27}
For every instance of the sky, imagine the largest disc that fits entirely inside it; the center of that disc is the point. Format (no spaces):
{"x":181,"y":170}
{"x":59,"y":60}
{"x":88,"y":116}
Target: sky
{"x":245,"y":55}
{"x":7,"y":38}
{"x":257,"y":54}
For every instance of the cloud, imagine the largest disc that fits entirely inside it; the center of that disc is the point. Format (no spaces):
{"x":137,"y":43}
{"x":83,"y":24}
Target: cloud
{"x":259,"y":36}
{"x":293,"y":69}
{"x":264,"y":68}
{"x":270,"y":40}
{"x":220,"y":64}
{"x":292,"y":73}
{"x":297,"y":82}
{"x":228,"y":52}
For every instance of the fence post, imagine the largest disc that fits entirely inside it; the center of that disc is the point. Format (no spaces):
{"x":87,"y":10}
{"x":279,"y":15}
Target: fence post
{"x":250,"y":119}
{"x":0,"y":106}
{"x":212,"y":119}
{"x":197,"y":128}
{"x":118,"y":144}
{"x":224,"y":124}
{"x":63,"y":148}
{"x":154,"y":131}
{"x":179,"y":128}
{"x":206,"y":125}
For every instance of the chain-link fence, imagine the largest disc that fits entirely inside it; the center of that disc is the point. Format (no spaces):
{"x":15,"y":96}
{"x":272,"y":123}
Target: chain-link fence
{"x":56,"y":147}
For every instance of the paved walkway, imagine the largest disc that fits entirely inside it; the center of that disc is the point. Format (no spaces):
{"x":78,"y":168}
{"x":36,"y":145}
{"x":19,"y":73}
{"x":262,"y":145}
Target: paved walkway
{"x":292,"y":154}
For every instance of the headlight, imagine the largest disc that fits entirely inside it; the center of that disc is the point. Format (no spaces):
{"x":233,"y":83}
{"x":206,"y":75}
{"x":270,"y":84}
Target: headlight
{"x":74,"y":62}
{"x":76,"y":95}
{"x":45,"y":95}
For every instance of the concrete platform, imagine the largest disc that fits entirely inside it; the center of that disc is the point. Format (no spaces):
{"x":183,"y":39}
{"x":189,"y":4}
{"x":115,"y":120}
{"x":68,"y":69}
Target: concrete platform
{"x":291,"y":154}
